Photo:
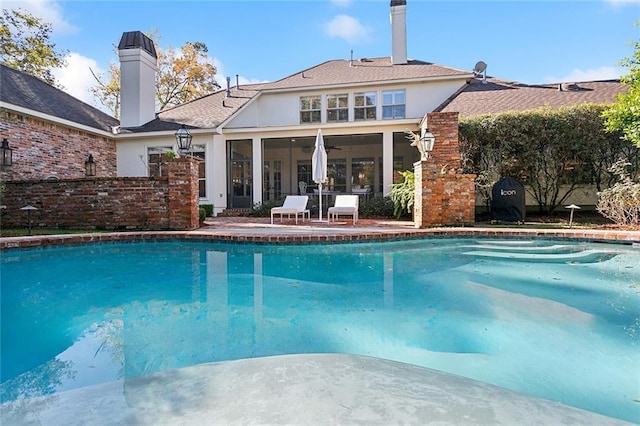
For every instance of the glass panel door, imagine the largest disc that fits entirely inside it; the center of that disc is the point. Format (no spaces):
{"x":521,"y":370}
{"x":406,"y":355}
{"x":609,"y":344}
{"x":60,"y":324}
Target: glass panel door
{"x":240,"y":179}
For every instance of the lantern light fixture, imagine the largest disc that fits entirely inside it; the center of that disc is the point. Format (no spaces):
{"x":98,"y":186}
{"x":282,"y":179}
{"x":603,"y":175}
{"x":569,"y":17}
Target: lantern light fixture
{"x":90,"y":166}
{"x":426,"y":144}
{"x":183,"y":139}
{"x":6,"y":153}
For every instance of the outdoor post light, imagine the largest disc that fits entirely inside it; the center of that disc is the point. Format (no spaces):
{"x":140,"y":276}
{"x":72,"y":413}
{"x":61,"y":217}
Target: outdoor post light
{"x":90,"y":166}
{"x":29,"y":209}
{"x":426,"y":144}
{"x":183,"y":138}
{"x":6,"y":153}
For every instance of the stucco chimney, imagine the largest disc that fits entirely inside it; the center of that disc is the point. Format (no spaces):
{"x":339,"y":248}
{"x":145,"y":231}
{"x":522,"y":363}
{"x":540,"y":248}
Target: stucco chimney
{"x":138,"y":65}
{"x":398,"y":32}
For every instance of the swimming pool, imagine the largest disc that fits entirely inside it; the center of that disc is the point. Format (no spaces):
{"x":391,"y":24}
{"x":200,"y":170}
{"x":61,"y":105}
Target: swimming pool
{"x":557,"y":320}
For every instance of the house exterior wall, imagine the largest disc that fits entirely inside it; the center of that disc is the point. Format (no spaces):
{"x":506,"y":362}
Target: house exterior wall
{"x":131,"y":203}
{"x":283,"y":109}
{"x":46,"y":150}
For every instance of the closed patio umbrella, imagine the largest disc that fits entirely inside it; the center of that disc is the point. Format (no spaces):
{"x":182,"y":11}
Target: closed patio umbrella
{"x":319,"y":166}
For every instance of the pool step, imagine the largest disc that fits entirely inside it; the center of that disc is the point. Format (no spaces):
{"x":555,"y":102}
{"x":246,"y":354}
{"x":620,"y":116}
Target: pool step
{"x":584,"y":256}
{"x":556,"y":248}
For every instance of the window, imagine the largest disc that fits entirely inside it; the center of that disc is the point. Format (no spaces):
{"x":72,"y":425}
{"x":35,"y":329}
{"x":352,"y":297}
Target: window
{"x":304,"y":173}
{"x":362,"y":172}
{"x":338,"y":107}
{"x":364,"y":106}
{"x":154,"y":160}
{"x":337,"y":175}
{"x":198,"y":153}
{"x":393,"y":104}
{"x":310,"y":109}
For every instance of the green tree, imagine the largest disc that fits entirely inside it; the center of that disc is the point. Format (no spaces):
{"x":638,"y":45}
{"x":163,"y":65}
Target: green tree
{"x":25,"y":45}
{"x":183,"y":75}
{"x":552,"y":151}
{"x":624,"y":115}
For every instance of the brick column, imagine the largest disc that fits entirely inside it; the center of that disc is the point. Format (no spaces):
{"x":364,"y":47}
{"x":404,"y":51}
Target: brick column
{"x":443,"y":194}
{"x":184,"y":200}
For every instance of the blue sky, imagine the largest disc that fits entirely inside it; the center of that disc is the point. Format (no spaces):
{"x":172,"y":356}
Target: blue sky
{"x":264,"y":40}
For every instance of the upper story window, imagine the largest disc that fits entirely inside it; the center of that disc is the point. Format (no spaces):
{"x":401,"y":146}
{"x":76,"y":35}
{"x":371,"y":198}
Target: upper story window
{"x":364,"y":106}
{"x":338,"y":107}
{"x":310,"y":109}
{"x":393,"y":104}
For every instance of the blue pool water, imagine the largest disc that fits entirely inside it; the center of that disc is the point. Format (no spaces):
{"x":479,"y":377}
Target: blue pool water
{"x":557,"y":320}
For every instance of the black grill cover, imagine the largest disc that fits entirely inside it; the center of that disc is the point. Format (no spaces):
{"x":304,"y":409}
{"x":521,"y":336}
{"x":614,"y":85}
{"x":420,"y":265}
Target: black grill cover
{"x":507,"y":200}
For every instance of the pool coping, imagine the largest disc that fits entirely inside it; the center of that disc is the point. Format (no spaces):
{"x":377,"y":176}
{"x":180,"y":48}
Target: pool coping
{"x":286,"y":234}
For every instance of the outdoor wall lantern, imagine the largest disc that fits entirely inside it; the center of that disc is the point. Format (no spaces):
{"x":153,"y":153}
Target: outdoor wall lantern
{"x":426,"y":144}
{"x":183,"y":138}
{"x":90,"y":166}
{"x":6,"y":153}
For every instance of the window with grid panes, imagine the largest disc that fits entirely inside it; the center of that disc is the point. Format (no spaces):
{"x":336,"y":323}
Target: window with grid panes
{"x":154,"y":159}
{"x":338,"y":107}
{"x":198,"y":152}
{"x":310,"y":109}
{"x":393,"y":104}
{"x":364,"y":106}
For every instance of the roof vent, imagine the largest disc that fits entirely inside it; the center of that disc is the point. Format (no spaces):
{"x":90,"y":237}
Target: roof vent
{"x":228,"y":87}
{"x":570,"y":87}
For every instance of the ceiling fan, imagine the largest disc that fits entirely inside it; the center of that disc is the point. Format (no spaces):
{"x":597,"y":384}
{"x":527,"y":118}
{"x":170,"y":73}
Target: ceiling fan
{"x":330,"y":148}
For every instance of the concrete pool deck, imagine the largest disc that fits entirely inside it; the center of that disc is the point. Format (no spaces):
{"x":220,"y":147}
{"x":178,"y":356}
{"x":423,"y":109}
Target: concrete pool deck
{"x":311,"y":389}
{"x":260,"y":230}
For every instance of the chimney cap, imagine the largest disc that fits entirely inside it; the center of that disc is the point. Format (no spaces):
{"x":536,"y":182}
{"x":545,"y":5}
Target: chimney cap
{"x":398,"y":3}
{"x":137,"y":40}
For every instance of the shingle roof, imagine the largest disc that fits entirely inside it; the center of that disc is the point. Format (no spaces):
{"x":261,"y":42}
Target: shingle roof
{"x":209,"y":111}
{"x":29,"y":92}
{"x":497,"y":96}
{"x":364,"y":71}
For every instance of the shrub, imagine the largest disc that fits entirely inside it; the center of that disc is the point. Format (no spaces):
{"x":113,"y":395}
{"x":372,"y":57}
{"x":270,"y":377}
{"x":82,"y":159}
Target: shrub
{"x":377,"y":206}
{"x":621,"y":202}
{"x":403,"y":194}
{"x":264,"y":209}
{"x":203,"y":214}
{"x":208,"y":208}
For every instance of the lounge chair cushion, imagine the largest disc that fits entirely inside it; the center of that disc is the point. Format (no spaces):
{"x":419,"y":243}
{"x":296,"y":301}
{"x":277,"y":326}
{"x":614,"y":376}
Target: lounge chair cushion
{"x":293,"y":204}
{"x":345,"y":205}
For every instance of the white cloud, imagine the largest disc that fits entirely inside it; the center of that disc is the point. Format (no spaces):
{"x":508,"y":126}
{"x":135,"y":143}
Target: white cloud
{"x":347,"y":28}
{"x":577,"y":75}
{"x":76,"y":77}
{"x":48,"y":10}
{"x":221,"y":76}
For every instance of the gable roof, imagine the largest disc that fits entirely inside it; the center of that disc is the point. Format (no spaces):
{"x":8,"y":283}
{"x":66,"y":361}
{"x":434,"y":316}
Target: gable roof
{"x":365,"y":71}
{"x":497,"y":96}
{"x":27,"y":91}
{"x":212,"y":110}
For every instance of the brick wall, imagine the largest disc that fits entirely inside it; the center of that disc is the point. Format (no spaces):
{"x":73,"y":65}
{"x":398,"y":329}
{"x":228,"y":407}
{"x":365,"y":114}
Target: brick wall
{"x":443,"y":194}
{"x":44,"y":150}
{"x":133,"y":203}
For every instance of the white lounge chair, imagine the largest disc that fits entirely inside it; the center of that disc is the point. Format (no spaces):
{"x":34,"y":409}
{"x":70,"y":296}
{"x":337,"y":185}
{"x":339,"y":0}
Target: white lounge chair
{"x":293,"y":204}
{"x":345,"y":205}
